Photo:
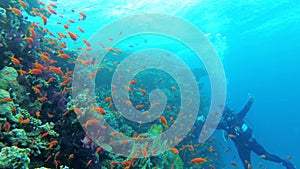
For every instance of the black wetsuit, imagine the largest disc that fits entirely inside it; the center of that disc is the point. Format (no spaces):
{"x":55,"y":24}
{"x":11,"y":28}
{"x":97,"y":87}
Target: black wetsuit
{"x":240,"y":133}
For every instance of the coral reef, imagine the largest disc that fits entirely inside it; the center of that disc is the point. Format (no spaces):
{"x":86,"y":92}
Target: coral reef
{"x":39,"y":121}
{"x":14,"y":157}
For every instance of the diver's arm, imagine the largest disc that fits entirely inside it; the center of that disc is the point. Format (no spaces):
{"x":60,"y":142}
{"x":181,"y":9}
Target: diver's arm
{"x":241,"y":115}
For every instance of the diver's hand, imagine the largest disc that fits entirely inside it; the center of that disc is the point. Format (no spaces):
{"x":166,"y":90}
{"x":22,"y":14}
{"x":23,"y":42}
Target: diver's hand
{"x":251,"y":98}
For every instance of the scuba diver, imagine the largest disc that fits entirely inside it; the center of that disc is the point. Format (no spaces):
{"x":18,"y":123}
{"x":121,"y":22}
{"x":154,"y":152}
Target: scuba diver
{"x":240,"y":133}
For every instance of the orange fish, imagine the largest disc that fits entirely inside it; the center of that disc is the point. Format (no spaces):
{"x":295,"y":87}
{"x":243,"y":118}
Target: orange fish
{"x":22,"y":121}
{"x":44,"y":135}
{"x":113,"y":163}
{"x":163,"y":120}
{"x":108,"y":99}
{"x":7,"y":126}
{"x":37,"y":90}
{"x":42,"y":98}
{"x":55,"y":70}
{"x":64,"y":56}
{"x":38,"y":114}
{"x":99,"y":110}
{"x":90,"y":122}
{"x":77,"y":111}
{"x":86,"y":42}
{"x":144,"y":151}
{"x":15,"y":11}
{"x":72,"y":35}
{"x":38,"y":65}
{"x":65,"y":82}
{"x":174,"y":150}
{"x":29,"y":40}
{"x":143,"y":91}
{"x":83,"y":15}
{"x":35,"y":71}
{"x":22,"y":72}
{"x":44,"y":19}
{"x":66,"y":26}
{"x":98,"y":149}
{"x":199,"y":160}
{"x":56,"y":154}
{"x":139,"y":106}
{"x":51,"y":10}
{"x":71,"y":156}
{"x":15,"y":60}
{"x":88,"y":163}
{"x":80,"y":29}
{"x":24,"y":5}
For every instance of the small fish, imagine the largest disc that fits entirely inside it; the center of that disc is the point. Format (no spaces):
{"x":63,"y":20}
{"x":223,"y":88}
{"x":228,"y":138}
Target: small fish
{"x":66,"y":82}
{"x":38,"y":65}
{"x":71,"y":156}
{"x":35,"y":71}
{"x":174,"y":150}
{"x":144,"y":152}
{"x":98,"y":149}
{"x":22,"y":121}
{"x":15,"y":11}
{"x":44,"y":135}
{"x":4,"y":100}
{"x":99,"y":110}
{"x":113,"y":163}
{"x":42,"y":98}
{"x":86,"y":42}
{"x":164,"y":121}
{"x":64,"y":56}
{"x":24,"y":5}
{"x":143,"y":91}
{"x":37,"y":90}
{"x":231,"y":136}
{"x":88,"y":163}
{"x":199,"y":160}
{"x":44,"y":19}
{"x":15,"y":60}
{"x":234,"y":164}
{"x":72,"y":35}
{"x":7,"y":126}
{"x":22,"y":72}
{"x":83,"y":16}
{"x":29,"y":40}
{"x":66,"y":26}
{"x":80,"y":29}
{"x":56,"y":154}
{"x":38,"y":114}
{"x":211,"y":149}
{"x":77,"y":110}
{"x":55,"y":70}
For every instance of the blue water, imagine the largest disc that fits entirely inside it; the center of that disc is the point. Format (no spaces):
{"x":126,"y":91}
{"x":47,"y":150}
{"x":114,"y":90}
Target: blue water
{"x":259,"y":47}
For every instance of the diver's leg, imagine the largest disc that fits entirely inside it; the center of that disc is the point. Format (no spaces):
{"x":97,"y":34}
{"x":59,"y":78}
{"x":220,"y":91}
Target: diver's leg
{"x":261,"y":151}
{"x":244,"y":153}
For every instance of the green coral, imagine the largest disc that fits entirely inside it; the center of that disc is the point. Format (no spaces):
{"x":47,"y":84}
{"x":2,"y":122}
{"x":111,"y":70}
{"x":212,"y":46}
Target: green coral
{"x":6,"y":107}
{"x":19,"y":137}
{"x":14,"y":157}
{"x":8,"y":75}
